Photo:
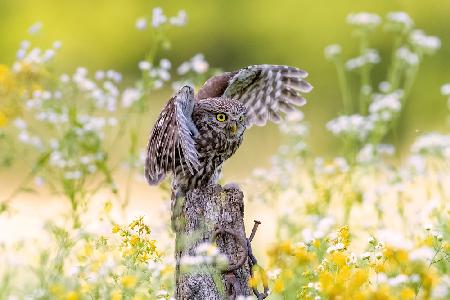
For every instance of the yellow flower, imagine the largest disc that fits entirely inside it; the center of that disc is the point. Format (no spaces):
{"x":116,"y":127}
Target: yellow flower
{"x":407,"y":293}
{"x":302,"y":255}
{"x":286,"y":246}
{"x":316,"y":243}
{"x":128,"y":251}
{"x":278,"y":286}
{"x":338,"y":258}
{"x":3,"y":119}
{"x":129,"y":281}
{"x":116,"y":295}
{"x":326,"y":281}
{"x":144,"y":257}
{"x":57,"y":290}
{"x":72,"y":295}
{"x":85,"y":288}
{"x":344,"y":235}
{"x":6,"y":80}
{"x":134,"y":240}
{"x":115,"y":228}
{"x":358,"y":279}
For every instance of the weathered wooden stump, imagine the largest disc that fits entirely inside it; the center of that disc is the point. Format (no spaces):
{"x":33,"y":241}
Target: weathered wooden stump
{"x":213,"y":214}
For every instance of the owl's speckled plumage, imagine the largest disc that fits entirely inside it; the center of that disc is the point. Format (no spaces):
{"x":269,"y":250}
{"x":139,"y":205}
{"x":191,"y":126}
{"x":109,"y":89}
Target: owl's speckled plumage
{"x":191,"y":141}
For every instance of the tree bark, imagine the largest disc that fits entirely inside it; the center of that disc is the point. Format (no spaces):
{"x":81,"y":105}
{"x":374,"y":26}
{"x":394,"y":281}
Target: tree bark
{"x":212,"y":214}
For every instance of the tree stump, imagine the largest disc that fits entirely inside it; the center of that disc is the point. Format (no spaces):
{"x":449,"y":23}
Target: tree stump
{"x":212,"y":214}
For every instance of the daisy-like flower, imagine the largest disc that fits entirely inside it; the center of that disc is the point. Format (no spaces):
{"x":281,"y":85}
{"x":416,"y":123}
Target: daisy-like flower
{"x":141,"y":23}
{"x":364,"y":20}
{"x":399,"y":20}
{"x":158,"y":17}
{"x":428,"y":44}
{"x":332,"y":51}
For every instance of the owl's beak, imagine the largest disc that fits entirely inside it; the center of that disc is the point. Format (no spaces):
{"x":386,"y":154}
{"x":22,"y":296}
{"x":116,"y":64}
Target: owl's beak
{"x":233,"y":128}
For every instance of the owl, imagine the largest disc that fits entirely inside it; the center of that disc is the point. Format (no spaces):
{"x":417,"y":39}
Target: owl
{"x":195,"y":134}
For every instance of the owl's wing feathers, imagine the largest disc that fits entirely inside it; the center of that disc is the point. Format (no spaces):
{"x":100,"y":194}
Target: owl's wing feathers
{"x":172,"y":139}
{"x":267,"y":90}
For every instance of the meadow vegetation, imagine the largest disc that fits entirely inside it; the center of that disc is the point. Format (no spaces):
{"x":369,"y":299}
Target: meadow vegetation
{"x":371,"y":222}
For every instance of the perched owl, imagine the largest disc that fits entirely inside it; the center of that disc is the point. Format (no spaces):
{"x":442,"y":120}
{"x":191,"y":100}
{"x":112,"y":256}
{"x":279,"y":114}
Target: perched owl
{"x":195,"y":134}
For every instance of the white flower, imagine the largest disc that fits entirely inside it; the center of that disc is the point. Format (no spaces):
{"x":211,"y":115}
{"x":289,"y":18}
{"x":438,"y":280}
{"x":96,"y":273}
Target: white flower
{"x":424,"y":254}
{"x":398,"y":280}
{"x":144,"y":65}
{"x":332,"y":51}
{"x":427,"y":43}
{"x":406,"y":55}
{"x":366,"y":255}
{"x":353,"y":125}
{"x":432,"y":143}
{"x":180,"y":19}
{"x":39,"y":181}
{"x":386,"y":103}
{"x":165,"y":64}
{"x":370,"y":56}
{"x":57,"y":45}
{"x":273,"y":274}
{"x":20,"y":123}
{"x":364,"y":20}
{"x":99,"y":75}
{"x":73,"y":175}
{"x":445,"y":89}
{"x":130,"y":96}
{"x":21,"y":54}
{"x":35,"y":28}
{"x":64,"y":78}
{"x":294,"y":116}
{"x":393,"y":239}
{"x":437,"y":235}
{"x":199,"y":64}
{"x":401,"y":19}
{"x":48,"y":55}
{"x":384,"y":86}
{"x":141,"y":23}
{"x":441,"y":290}
{"x":184,"y":68}
{"x":158,"y":17}
{"x":24,"y":45}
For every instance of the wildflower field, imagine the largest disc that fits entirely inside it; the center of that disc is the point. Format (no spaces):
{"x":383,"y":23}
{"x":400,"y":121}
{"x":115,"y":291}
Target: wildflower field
{"x":368,"y":219}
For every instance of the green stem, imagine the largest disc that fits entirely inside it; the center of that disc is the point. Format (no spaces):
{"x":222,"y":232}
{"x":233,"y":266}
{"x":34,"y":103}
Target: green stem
{"x":343,"y":85}
{"x":364,"y":91}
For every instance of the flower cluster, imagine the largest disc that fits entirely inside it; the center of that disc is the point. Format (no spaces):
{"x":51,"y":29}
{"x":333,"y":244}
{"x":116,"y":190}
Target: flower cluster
{"x":326,"y":268}
{"x":371,"y":115}
{"x":157,"y":75}
{"x":159,"y":19}
{"x":364,"y":20}
{"x":136,"y":242}
{"x":354,"y":126}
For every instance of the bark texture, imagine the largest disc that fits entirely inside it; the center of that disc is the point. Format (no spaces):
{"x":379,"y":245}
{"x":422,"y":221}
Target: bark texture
{"x":203,"y":213}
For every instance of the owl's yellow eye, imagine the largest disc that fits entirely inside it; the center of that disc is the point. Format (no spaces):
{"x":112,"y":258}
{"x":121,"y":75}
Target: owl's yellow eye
{"x":221,"y":117}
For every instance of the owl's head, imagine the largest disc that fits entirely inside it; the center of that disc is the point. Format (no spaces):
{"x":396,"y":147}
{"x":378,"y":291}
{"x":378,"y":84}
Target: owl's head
{"x":222,"y":115}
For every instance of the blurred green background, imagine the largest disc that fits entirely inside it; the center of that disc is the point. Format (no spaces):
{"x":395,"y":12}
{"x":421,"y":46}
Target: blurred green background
{"x":101,"y":34}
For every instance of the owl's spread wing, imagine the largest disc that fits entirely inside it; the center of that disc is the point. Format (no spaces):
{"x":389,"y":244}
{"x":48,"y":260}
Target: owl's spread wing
{"x":267,"y":90}
{"x":171,"y":142}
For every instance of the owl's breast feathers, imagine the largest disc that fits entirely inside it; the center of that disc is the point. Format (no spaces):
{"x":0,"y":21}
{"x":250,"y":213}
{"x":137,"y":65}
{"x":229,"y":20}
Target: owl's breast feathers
{"x":211,"y":144}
